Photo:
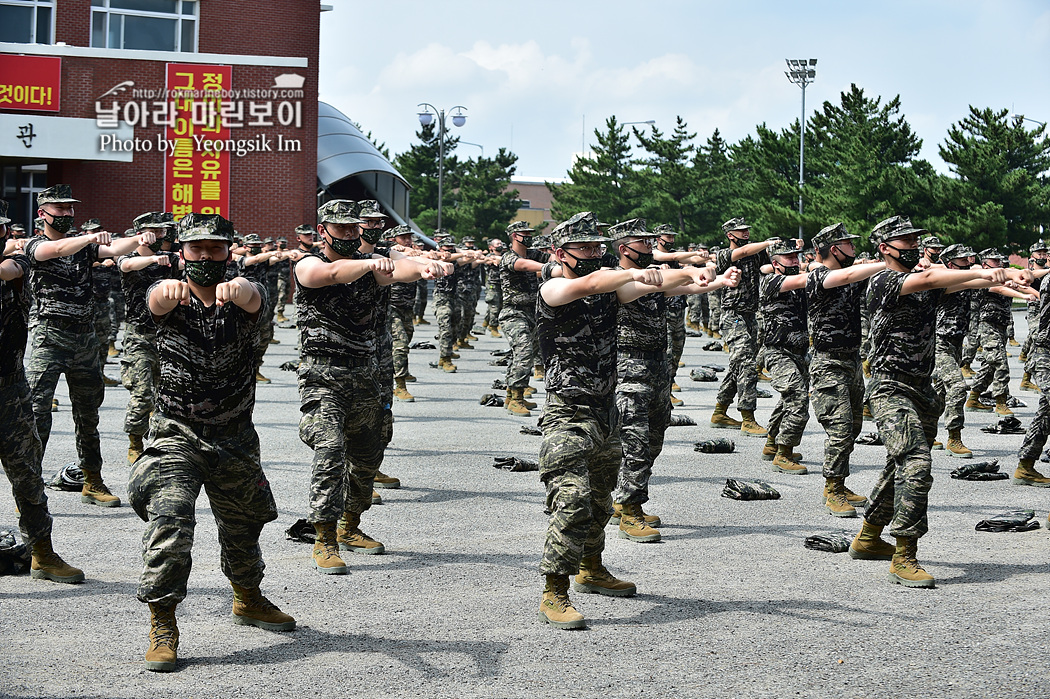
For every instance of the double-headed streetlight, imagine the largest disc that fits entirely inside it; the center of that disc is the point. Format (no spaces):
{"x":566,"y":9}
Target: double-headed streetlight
{"x":426,"y":118}
{"x":801,"y":71}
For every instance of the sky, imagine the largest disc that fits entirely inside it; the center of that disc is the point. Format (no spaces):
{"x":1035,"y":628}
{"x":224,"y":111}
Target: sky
{"x":535,"y":75}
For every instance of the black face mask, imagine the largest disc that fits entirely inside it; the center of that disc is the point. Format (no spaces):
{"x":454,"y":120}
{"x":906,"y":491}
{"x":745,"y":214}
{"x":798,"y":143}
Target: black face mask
{"x":907,"y":258}
{"x":738,"y":241}
{"x":585,"y":266}
{"x":642,"y":259}
{"x":371,"y":235}
{"x":62,"y":224}
{"x":845,"y":260}
{"x":255,"y":250}
{"x":1039,"y":263}
{"x":526,"y":240}
{"x":935,"y":257}
{"x":787,"y":271}
{"x":344,"y":248}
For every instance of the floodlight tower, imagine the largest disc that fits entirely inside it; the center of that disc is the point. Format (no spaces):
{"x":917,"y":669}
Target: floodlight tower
{"x":801,"y":71}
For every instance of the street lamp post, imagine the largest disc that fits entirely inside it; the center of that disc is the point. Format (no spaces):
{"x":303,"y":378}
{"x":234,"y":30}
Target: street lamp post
{"x":649,"y":121}
{"x":802,"y":72}
{"x":1034,"y":121}
{"x":426,"y":118}
{"x":476,"y":145}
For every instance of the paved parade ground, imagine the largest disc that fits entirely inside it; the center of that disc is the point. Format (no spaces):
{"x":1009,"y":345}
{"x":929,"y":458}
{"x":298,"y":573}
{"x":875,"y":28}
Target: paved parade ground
{"x":730,"y":603}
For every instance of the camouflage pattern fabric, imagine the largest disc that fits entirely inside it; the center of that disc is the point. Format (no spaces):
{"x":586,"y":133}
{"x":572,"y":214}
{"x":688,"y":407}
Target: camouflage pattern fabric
{"x":643,"y":402}
{"x":493,"y":296}
{"x":973,"y":336}
{"x":21,"y":453}
{"x":117,"y":311}
{"x":103,"y":278}
{"x":835,"y":320}
{"x":699,"y":311}
{"x":994,"y":374}
{"x":338,"y":320}
{"x":163,"y":488}
{"x":716,"y":311}
{"x":519,"y":288}
{"x":949,"y":383}
{"x":420,"y":306}
{"x":447,"y":311}
{"x":902,"y":327}
{"x":744,"y":297}
{"x":675,"y":336}
{"x":341,"y":421}
{"x":577,"y":343}
{"x":838,"y":404}
{"x":401,"y":331}
{"x":783,"y":319}
{"x":996,"y":309}
{"x":62,"y":286}
{"x":789,"y":377}
{"x":518,"y":325}
{"x":739,"y":331}
{"x":140,"y":374}
{"x":385,"y":365}
{"x":1036,"y":434}
{"x":282,"y":271}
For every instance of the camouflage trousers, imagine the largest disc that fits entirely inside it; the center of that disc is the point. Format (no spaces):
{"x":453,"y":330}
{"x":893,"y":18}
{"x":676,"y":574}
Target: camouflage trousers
{"x":675,"y":340}
{"x":401,"y":331}
{"x":342,"y":421}
{"x":164,"y":485}
{"x":579,"y":458}
{"x":949,"y":383}
{"x":21,"y":453}
{"x":385,"y":358}
{"x":518,"y":324}
{"x":447,"y":310}
{"x":699,"y":309}
{"x":468,"y":305}
{"x":716,"y":311}
{"x":140,"y":374}
{"x":420,"y":306}
{"x":116,"y":312}
{"x":739,"y":331}
{"x":494,"y":304}
{"x":838,"y":403}
{"x":994,"y":374}
{"x":643,"y":402}
{"x":789,"y":376}
{"x":103,"y":325}
{"x":281,"y":297}
{"x":906,"y":412}
{"x":1035,"y":435}
{"x":265,"y":335}
{"x":1028,"y":348}
{"x":59,"y":348}
{"x":973,"y":338}
{"x":865,"y":331}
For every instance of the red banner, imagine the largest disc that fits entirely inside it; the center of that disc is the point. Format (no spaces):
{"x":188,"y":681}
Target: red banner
{"x":30,"y":82}
{"x":196,"y":168}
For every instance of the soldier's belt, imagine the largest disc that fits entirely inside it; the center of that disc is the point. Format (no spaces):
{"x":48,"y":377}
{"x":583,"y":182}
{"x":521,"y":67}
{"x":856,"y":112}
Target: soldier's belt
{"x":839,"y":353}
{"x":648,"y":355}
{"x":211,"y":430}
{"x":900,"y":377}
{"x":346,"y":362}
{"x":68,"y":325}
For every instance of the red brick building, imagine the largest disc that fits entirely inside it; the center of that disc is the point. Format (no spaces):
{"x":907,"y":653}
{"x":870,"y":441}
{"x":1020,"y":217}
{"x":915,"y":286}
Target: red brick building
{"x":85,"y":100}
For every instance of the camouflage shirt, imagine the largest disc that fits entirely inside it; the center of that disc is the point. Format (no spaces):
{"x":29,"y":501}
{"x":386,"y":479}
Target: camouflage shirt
{"x":577,"y":344}
{"x":207,"y":362}
{"x":995,"y":308}
{"x":492,"y":278}
{"x":470,"y":278}
{"x":255,"y":273}
{"x":784,"y":315}
{"x":1042,"y":327}
{"x":338,"y":321}
{"x":743,"y":298}
{"x":641,"y":325}
{"x":403,"y":295}
{"x":382,"y":295}
{"x":519,"y":288}
{"x":902,"y":327}
{"x":834,"y":314}
{"x":675,"y":304}
{"x":447,"y":284}
{"x":62,"y":287}
{"x":103,"y":277}
{"x":137,"y":282}
{"x":953,"y":314}
{"x":14,"y":318}
{"x":1033,"y":304}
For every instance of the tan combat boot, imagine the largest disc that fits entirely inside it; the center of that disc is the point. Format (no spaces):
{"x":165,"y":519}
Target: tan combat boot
{"x":1027,"y":384}
{"x":956,"y":447}
{"x":866,"y":413}
{"x":106,"y":381}
{"x":1001,"y":408}
{"x":465,"y":344}
{"x":494,"y":331}
{"x":555,"y":607}
{"x":377,"y":499}
{"x":676,"y":401}
{"x":633,"y":526}
{"x":869,"y":545}
{"x":538,"y":373}
{"x":326,"y":550}
{"x":866,"y":367}
{"x":651,"y":520}
{"x":250,"y":608}
{"x":113,"y":351}
{"x":526,"y":393}
{"x":715,"y":335}
{"x":721,"y":420}
{"x":281,"y":318}
{"x":762,"y":375}
{"x":1014,"y":342}
{"x":48,"y":565}
{"x":974,"y":404}
{"x":836,"y":503}
{"x":415,"y":320}
{"x":769,"y":451}
{"x":1026,"y":474}
{"x":384,"y":481}
{"x":851,"y":497}
{"x":134,"y":447}
{"x":446,"y":364}
{"x":904,"y":569}
{"x":966,"y":371}
{"x":750,"y":426}
{"x":594,"y":578}
{"x":352,"y":539}
{"x":675,"y":387}
{"x":513,"y":403}
{"x":95,"y":491}
{"x":163,"y":638}
{"x":259,"y":378}
{"x":401,"y":392}
{"x":784,"y":463}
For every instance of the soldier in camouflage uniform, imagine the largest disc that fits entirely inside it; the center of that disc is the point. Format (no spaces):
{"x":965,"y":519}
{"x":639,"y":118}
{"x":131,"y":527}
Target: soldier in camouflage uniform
{"x":202,"y":436}
{"x":739,"y":327}
{"x":1036,"y":434}
{"x":282,"y":270}
{"x":446,"y":307}
{"x":493,"y":289}
{"x":903,"y":308}
{"x":255,"y":266}
{"x":1037,"y":262}
{"x":103,"y":275}
{"x":973,"y":337}
{"x":402,"y":299}
{"x":65,"y":341}
{"x":675,"y":305}
{"x":20,"y":448}
{"x":116,"y":305}
{"x":422,"y":290}
{"x":834,"y":292}
{"x":468,"y":290}
{"x":953,"y":319}
{"x":518,"y":268}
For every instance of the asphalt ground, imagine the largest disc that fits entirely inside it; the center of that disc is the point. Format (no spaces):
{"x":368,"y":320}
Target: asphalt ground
{"x":730,"y":603}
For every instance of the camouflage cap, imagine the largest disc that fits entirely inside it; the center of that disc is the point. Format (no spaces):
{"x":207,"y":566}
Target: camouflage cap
{"x":305,"y":229}
{"x":38,"y":224}
{"x":400,"y":230}
{"x":784,"y":247}
{"x":92,"y":224}
{"x":631,"y":228}
{"x":829,"y":235}
{"x":369,"y":208}
{"x":154,"y":219}
{"x":194,"y":226}
{"x":1038,"y":246}
{"x":540,"y":242}
{"x":519,"y":227}
{"x":268,"y":239}
{"x":580,"y":228}
{"x":863,"y":257}
{"x":931,"y":241}
{"x":253,"y":239}
{"x":702,"y":246}
{"x":893,"y":227}
{"x":735,"y":224}
{"x":16,"y":227}
{"x":665,"y":229}
{"x":341,"y":211}
{"x":991,"y":254}
{"x":4,"y":220}
{"x":59,"y":194}
{"x":954,"y":252}
{"x":467,"y":239}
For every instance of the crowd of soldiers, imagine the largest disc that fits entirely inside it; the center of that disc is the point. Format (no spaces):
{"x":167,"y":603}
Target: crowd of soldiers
{"x":597,"y":312}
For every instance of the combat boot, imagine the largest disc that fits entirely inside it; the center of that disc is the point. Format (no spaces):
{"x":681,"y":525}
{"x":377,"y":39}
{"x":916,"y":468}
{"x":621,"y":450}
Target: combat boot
{"x":384,"y":481}
{"x":423,"y":321}
{"x":471,"y":337}
{"x":401,"y":392}
{"x":716,"y":335}
{"x":783,"y":463}
{"x":1027,"y":384}
{"x":1026,"y":474}
{"x":113,"y":351}
{"x":769,"y":450}
{"x":351,"y":538}
{"x":555,"y":608}
{"x":720,"y":420}
{"x":866,"y":413}
{"x":95,"y":491}
{"x":675,"y":387}
{"x":410,"y":379}
{"x":538,"y":373}
{"x":446,"y":364}
{"x":676,"y":401}
{"x":250,"y":608}
{"x":594,"y":578}
{"x":326,"y":550}
{"x":134,"y":447}
{"x":415,"y":320}
{"x":163,"y":638}
{"x":281,"y":318}
{"x":377,"y":499}
{"x":1014,"y":343}
{"x":868,"y":545}
{"x":966,"y":371}
{"x":651,"y":520}
{"x":259,"y":378}
{"x":750,"y":426}
{"x":455,"y":345}
{"x":514,"y":404}
{"x":1022,"y":357}
{"x":956,"y":447}
{"x":973,"y":403}
{"x":634,"y":527}
{"x":904,"y":569}
{"x":762,"y":375}
{"x":531,"y":405}
{"x":836,"y":503}
{"x":494,"y":331}
{"x":106,"y":381}
{"x":454,"y":355}
{"x":464,"y":344}
{"x":866,"y":367}
{"x":851,"y":497}
{"x":48,"y":565}
{"x":1001,"y":408}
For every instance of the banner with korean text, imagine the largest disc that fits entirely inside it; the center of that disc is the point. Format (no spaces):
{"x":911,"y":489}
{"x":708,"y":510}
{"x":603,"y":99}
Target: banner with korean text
{"x":30,"y":82}
{"x":196,"y":174}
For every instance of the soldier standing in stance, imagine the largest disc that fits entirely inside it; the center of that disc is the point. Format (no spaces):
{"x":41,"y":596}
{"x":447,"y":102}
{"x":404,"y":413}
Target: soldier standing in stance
{"x":518,"y":268}
{"x":20,"y":448}
{"x":901,"y":396}
{"x":103,"y":275}
{"x":65,"y":342}
{"x":282,"y":269}
{"x":1039,"y":359}
{"x":202,"y":436}
{"x":446,"y":307}
{"x":1037,"y":264}
{"x":493,"y":289}
{"x":402,"y":299}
